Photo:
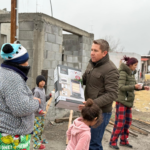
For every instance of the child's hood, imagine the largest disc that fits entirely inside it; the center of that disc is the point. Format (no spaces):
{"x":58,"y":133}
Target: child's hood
{"x":78,"y":126}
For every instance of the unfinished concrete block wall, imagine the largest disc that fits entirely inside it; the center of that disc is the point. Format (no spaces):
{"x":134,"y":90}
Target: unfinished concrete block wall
{"x":42,"y":36}
{"x":52,"y":52}
{"x":77,"y":51}
{"x":71,"y":48}
{"x":26,"y":37}
{"x":85,"y":50}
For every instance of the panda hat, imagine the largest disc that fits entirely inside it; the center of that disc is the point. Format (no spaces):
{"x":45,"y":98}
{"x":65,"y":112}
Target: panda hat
{"x":15,"y":53}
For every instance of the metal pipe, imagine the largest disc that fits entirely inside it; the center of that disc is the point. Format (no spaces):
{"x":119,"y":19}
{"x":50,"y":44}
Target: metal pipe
{"x":17,"y":20}
{"x":51,"y":8}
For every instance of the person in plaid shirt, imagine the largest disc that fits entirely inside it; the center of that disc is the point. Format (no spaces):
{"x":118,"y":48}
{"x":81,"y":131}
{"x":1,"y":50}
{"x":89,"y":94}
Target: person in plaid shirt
{"x":124,"y":102}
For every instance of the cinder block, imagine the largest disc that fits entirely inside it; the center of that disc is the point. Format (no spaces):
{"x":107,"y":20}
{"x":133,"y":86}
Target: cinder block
{"x":84,"y":46}
{"x":70,"y":65}
{"x":54,"y":64}
{"x":45,"y":54}
{"x":54,"y":29}
{"x":29,"y":74}
{"x":68,"y":52}
{"x":60,"y":31}
{"x":55,"y":47}
{"x":30,"y":61}
{"x":51,"y":38}
{"x":73,"y":48}
{"x":84,"y":53}
{"x":65,"y":63}
{"x":48,"y":46}
{"x":51,"y":55}
{"x":51,"y":73}
{"x":74,"y":59}
{"x":84,"y":65}
{"x":26,"y":26}
{"x":75,"y":53}
{"x":60,"y":48}
{"x":76,"y":65}
{"x":48,"y":28}
{"x":58,"y":39}
{"x":58,"y":56}
{"x":45,"y":37}
{"x":80,"y":65}
{"x":49,"y":89}
{"x":30,"y":52}
{"x":50,"y":81}
{"x":82,"y":39}
{"x":46,"y":64}
{"x":60,"y":63}
{"x":69,"y":58}
{"x":29,"y":81}
{"x":27,"y":44}
{"x":26,"y":35}
{"x":85,"y":59}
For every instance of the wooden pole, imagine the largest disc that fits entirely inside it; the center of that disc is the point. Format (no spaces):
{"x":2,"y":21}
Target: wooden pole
{"x":70,"y":121}
{"x":13,"y":21}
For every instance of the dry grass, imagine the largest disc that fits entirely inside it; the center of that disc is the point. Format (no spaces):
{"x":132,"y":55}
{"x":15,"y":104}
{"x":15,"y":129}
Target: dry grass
{"x":142,"y":101}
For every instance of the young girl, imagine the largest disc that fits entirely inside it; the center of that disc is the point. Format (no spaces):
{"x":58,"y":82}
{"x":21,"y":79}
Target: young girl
{"x":79,"y":134}
{"x":39,"y":92}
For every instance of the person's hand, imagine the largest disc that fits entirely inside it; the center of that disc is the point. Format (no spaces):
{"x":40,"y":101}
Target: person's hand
{"x":42,"y":112}
{"x":147,"y":88}
{"x":138,"y":86}
{"x":37,"y":99}
{"x":80,"y":107}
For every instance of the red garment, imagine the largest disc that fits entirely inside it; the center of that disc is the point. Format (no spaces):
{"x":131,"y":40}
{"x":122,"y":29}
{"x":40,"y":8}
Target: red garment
{"x":79,"y":136}
{"x":123,"y":120}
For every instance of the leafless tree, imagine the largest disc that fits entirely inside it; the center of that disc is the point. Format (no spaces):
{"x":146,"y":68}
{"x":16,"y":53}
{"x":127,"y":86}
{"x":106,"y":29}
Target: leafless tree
{"x":114,"y":44}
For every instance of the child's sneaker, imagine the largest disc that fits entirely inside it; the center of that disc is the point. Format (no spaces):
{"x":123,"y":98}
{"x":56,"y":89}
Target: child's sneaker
{"x":44,"y":141}
{"x":41,"y":147}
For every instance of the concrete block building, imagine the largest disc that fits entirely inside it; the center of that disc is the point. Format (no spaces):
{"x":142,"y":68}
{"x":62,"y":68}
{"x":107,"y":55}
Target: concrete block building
{"x":43,"y":37}
{"x":5,"y":29}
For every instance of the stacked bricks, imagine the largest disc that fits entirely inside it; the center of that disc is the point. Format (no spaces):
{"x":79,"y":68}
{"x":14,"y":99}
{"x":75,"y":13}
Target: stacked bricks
{"x":76,"y":51}
{"x":42,"y":36}
{"x":85,"y":51}
{"x":52,"y":52}
{"x":26,"y":36}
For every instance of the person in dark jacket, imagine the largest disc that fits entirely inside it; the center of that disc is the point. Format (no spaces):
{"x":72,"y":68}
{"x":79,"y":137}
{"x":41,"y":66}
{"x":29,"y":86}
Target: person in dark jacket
{"x":101,"y":80}
{"x":124,"y":102}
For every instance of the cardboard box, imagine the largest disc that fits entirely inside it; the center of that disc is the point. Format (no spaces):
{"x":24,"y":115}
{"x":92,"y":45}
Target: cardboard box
{"x":69,"y":93}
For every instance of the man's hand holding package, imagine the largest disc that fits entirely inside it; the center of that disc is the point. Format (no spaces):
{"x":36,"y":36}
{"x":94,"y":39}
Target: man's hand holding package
{"x":82,"y":106}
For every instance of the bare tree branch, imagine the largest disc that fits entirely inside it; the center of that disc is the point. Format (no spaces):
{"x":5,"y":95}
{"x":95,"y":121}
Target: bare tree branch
{"x":114,"y":44}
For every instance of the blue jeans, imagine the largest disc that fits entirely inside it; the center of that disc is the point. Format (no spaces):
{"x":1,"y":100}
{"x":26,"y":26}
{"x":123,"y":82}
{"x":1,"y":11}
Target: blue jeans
{"x":97,"y":133}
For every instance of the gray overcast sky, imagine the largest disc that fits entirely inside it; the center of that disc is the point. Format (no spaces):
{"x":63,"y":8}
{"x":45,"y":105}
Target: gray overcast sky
{"x":126,"y":20}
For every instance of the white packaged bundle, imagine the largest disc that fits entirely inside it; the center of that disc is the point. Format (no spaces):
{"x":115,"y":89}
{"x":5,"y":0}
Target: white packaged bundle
{"x":69,"y":93}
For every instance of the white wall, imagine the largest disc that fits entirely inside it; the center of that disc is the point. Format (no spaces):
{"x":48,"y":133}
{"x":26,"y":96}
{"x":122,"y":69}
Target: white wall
{"x":115,"y":57}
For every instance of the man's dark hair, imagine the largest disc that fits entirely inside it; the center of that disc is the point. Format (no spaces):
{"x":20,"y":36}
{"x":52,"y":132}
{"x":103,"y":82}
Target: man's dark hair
{"x":104,"y":45}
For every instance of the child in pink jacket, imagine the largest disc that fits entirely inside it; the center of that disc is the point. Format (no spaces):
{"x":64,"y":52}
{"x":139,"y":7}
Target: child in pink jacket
{"x":79,"y":134}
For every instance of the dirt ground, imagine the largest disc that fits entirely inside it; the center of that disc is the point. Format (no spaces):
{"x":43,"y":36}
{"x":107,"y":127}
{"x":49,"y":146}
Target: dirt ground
{"x":56,"y":134}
